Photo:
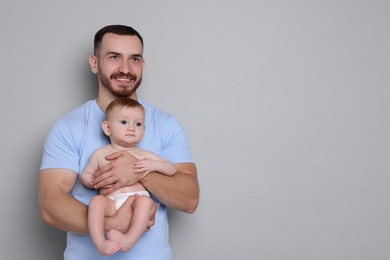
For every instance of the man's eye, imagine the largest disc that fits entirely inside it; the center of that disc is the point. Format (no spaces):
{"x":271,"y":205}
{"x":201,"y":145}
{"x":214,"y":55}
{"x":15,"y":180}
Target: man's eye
{"x":113,"y":57}
{"x":135,"y":60}
{"x":123,"y":122}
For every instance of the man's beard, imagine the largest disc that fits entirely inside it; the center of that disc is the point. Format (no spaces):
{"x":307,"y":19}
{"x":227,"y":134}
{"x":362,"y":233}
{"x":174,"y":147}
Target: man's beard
{"x":123,"y":91}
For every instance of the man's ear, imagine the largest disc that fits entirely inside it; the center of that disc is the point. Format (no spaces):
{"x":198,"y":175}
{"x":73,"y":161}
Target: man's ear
{"x":93,"y":63}
{"x":106,"y":128}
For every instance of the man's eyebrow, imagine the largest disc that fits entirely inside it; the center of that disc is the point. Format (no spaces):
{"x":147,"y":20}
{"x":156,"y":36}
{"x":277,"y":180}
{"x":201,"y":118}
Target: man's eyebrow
{"x":112,"y":53}
{"x":136,"y":55}
{"x":119,"y":54}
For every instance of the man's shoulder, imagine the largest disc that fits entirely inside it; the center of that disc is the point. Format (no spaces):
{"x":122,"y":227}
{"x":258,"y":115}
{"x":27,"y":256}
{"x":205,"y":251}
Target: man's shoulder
{"x":76,"y":119}
{"x":81,"y":111}
{"x":156,"y":113}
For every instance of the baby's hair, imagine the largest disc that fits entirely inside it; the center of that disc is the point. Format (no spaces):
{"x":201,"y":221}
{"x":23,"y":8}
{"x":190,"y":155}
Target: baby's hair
{"x":123,"y":103}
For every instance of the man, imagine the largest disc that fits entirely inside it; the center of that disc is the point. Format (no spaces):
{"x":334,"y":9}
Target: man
{"x":118,"y":62}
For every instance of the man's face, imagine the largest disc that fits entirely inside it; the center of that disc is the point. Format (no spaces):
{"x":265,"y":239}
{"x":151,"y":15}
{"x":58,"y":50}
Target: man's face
{"x":120,"y":64}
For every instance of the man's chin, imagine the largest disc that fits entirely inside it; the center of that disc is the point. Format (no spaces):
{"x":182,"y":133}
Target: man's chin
{"x":122,"y":95}
{"x":125,"y":90}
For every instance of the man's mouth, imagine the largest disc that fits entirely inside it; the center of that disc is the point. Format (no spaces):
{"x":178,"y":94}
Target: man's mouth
{"x":124,"y":79}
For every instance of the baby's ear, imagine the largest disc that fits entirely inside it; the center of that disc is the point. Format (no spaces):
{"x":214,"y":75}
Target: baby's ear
{"x":106,"y":128}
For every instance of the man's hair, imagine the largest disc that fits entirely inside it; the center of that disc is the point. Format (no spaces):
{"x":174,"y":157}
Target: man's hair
{"x":115,"y":29}
{"x":123,"y":102}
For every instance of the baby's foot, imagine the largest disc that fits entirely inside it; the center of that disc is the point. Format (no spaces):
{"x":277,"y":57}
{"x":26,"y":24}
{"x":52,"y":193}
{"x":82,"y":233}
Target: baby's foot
{"x":119,"y":237}
{"x":108,"y":247}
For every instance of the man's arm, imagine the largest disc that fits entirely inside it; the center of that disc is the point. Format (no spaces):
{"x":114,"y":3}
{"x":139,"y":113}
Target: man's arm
{"x":58,"y":208}
{"x":180,"y":191}
{"x":61,"y":210}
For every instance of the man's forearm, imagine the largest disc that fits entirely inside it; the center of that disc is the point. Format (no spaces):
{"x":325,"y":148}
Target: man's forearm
{"x":58,"y":208}
{"x":68,"y":214}
{"x":180,"y":191}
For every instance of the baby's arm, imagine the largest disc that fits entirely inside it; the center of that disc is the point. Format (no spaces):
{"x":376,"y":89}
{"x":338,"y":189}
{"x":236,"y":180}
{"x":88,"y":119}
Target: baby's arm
{"x":89,"y":170}
{"x":153,"y":163}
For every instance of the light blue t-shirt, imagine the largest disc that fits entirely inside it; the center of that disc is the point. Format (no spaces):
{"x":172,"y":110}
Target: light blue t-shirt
{"x":73,"y":139}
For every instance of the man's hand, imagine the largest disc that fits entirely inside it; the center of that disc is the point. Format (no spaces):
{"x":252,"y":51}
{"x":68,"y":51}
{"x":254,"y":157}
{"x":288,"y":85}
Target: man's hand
{"x":152,"y":217}
{"x":121,"y":220}
{"x":117,"y":173}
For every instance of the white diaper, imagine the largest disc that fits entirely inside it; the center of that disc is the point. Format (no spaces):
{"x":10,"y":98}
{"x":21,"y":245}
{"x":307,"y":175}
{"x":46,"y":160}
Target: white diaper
{"x":122,"y":197}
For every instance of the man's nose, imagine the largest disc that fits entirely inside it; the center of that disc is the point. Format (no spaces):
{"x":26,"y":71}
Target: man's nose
{"x":125,"y":67}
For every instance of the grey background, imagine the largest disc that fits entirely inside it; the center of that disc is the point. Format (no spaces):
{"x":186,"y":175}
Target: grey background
{"x":286,"y":104}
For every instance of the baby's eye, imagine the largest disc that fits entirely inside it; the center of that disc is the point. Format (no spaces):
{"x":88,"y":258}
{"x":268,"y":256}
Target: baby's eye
{"x":123,"y":122}
{"x":139,"y":124}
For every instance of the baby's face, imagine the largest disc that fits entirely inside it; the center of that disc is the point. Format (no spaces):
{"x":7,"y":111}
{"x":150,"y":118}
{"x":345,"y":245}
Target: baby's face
{"x":127,"y":126}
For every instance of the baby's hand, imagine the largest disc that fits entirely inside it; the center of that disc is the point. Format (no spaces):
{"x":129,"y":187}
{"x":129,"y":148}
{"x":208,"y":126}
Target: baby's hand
{"x":143,"y":167}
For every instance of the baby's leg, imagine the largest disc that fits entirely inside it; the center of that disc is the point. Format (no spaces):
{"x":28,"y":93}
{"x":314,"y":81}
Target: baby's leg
{"x":139,"y":221}
{"x":99,"y":208}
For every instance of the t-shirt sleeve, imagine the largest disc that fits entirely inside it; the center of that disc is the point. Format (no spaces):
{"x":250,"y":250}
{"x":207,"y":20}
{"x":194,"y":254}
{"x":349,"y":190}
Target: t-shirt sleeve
{"x":176,"y":147}
{"x":59,"y":149}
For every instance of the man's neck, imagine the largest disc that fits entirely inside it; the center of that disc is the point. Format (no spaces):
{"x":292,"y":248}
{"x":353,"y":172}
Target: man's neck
{"x":103,"y":100}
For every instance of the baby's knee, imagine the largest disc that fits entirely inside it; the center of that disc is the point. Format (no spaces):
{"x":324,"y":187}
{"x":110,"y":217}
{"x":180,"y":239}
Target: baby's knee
{"x":99,"y":199}
{"x":145,"y":201}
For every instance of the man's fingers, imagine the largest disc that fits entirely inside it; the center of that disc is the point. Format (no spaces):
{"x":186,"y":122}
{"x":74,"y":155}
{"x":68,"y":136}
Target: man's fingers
{"x":112,"y":188}
{"x":102,"y":182}
{"x":99,"y":174}
{"x":152,"y":216}
{"x":113,"y":155}
{"x":153,"y":211}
